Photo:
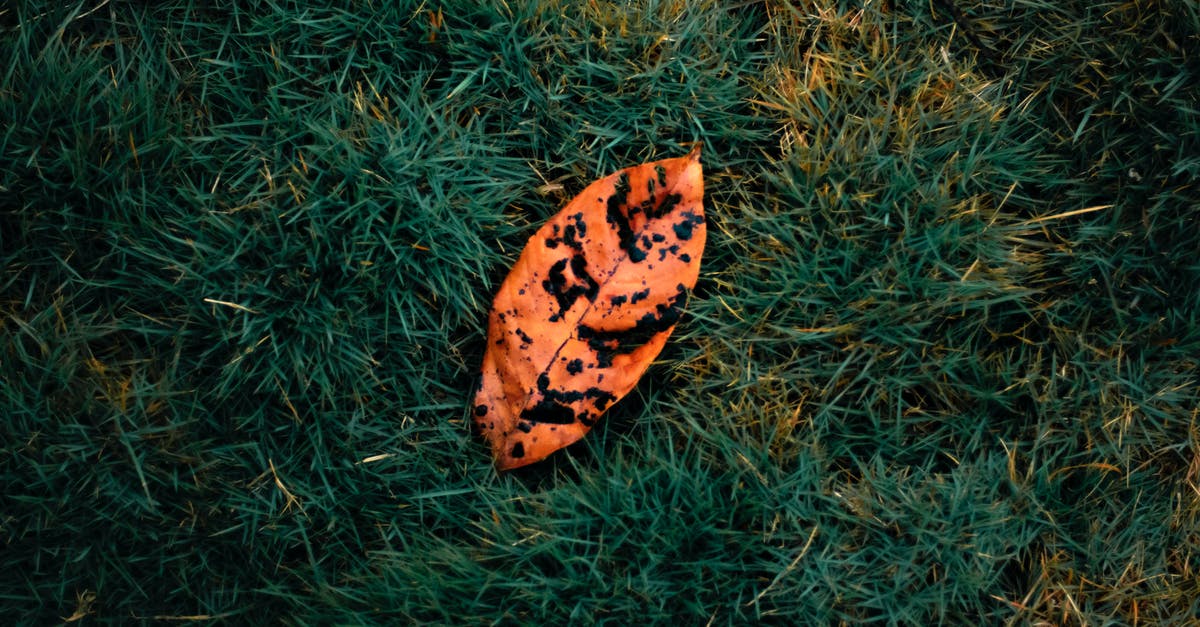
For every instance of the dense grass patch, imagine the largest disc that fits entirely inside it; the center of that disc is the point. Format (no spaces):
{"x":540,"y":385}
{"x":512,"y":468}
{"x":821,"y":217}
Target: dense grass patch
{"x":941,"y":364}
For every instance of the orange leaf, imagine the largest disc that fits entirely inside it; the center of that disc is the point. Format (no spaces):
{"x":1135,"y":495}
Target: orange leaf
{"x":587,"y":307}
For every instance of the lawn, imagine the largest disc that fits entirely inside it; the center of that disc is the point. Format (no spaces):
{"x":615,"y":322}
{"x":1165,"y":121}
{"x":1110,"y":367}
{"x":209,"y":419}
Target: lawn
{"x":940,"y":366}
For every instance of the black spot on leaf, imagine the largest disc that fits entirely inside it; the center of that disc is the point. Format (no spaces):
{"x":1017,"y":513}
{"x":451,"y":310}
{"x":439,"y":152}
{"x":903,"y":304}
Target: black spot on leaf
{"x":616,"y":215}
{"x":566,"y":290}
{"x":666,"y":206}
{"x":580,"y":225}
{"x":608,"y":344}
{"x":573,"y":232}
{"x":549,"y":411}
{"x":602,"y":398}
{"x":683,"y":229}
{"x":590,"y":286}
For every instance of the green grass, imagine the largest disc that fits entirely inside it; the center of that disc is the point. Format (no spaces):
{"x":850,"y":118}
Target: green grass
{"x":941,"y":365}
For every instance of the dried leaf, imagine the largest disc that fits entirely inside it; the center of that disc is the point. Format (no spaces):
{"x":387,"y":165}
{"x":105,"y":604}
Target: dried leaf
{"x":587,"y":307}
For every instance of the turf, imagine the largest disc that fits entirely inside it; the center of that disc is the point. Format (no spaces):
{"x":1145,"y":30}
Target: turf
{"x":940,"y":366}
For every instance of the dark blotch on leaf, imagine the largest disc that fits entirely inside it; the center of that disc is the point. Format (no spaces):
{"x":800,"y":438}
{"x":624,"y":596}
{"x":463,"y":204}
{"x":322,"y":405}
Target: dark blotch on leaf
{"x":555,"y":283}
{"x":575,"y":366}
{"x":602,"y":398}
{"x":616,"y":216}
{"x":608,"y":344}
{"x":575,"y":232}
{"x":683,"y":229}
{"x":518,"y":450}
{"x":590,"y":287}
{"x":580,"y":225}
{"x":548,"y":411}
{"x":566,"y":291}
{"x":666,"y":206}
{"x":481,"y":410}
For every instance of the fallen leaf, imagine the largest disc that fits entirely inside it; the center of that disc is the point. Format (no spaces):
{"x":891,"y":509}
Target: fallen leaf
{"x":588,"y":305}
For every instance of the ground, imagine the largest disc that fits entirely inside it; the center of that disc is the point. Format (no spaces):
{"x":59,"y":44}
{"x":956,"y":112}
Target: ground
{"x":940,"y":365}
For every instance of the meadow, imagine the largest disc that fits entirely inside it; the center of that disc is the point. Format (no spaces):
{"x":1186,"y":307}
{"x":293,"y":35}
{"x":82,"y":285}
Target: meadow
{"x":940,"y":367}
